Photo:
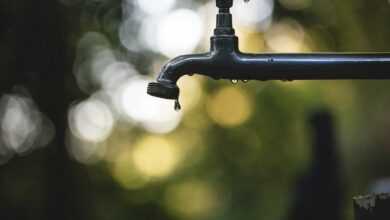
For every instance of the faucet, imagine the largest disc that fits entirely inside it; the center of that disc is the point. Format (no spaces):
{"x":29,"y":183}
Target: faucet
{"x":225,"y":61}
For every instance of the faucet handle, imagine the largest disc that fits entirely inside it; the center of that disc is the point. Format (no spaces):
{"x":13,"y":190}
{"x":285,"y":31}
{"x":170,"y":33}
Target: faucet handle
{"x":224,"y":3}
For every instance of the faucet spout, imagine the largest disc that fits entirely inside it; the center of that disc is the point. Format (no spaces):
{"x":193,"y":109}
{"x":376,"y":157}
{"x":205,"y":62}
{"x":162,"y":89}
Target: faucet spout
{"x":215,"y":64}
{"x":166,"y":85}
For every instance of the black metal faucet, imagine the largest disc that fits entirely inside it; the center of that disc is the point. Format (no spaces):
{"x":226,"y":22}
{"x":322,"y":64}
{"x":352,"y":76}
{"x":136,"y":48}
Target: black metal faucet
{"x":225,"y":61}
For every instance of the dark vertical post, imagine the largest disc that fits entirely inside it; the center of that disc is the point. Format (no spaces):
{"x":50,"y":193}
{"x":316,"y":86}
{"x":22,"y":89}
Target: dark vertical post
{"x":64,"y":181}
{"x":40,"y":58}
{"x":318,"y":194}
{"x":372,"y":207}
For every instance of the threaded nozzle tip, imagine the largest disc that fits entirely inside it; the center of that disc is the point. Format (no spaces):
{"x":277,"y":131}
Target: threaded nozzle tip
{"x":164,"y":91}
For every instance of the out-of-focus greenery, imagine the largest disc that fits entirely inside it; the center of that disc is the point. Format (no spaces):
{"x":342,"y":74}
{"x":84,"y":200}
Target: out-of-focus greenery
{"x":237,"y":149}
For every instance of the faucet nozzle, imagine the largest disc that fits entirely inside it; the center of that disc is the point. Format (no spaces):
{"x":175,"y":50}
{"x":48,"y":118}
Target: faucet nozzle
{"x":162,"y":90}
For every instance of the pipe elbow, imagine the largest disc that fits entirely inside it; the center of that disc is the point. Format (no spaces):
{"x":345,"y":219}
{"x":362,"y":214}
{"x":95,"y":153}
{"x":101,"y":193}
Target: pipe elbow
{"x":166,"y":85}
{"x":183,"y":65}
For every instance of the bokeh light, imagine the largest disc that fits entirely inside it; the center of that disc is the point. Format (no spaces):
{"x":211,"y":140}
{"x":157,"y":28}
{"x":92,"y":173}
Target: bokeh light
{"x":147,"y":35}
{"x":94,"y":55}
{"x":155,"y":157}
{"x":91,"y":120}
{"x":23,"y":127}
{"x":116,"y":73}
{"x":18,"y":124}
{"x":84,"y":151}
{"x":191,"y":91}
{"x":230,"y":106}
{"x":193,"y":199}
{"x":153,"y":7}
{"x":256,"y":13}
{"x":187,"y":27}
{"x":251,"y":41}
{"x":127,"y":35}
{"x":125,"y":173}
{"x":380,"y":186}
{"x":286,"y":37}
{"x":100,"y":60}
{"x":150,"y":159}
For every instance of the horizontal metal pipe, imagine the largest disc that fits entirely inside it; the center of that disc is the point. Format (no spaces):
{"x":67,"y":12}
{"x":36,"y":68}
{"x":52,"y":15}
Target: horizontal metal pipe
{"x":311,"y":66}
{"x":225,"y":61}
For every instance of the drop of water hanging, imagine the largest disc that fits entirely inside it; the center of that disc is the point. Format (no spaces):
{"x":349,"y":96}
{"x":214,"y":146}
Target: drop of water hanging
{"x":177,"y":105}
{"x":234,"y":81}
{"x":245,"y":81}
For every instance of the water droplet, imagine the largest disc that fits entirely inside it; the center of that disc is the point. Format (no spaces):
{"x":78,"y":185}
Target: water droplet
{"x":177,"y":105}
{"x":234,"y":81}
{"x":245,"y":81}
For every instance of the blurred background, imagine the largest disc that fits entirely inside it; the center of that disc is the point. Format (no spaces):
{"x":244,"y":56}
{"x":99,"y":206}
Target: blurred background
{"x":80,"y":139}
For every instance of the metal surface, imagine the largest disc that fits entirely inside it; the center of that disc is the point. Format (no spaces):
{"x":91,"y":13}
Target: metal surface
{"x":225,"y":61}
{"x":372,"y":207}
